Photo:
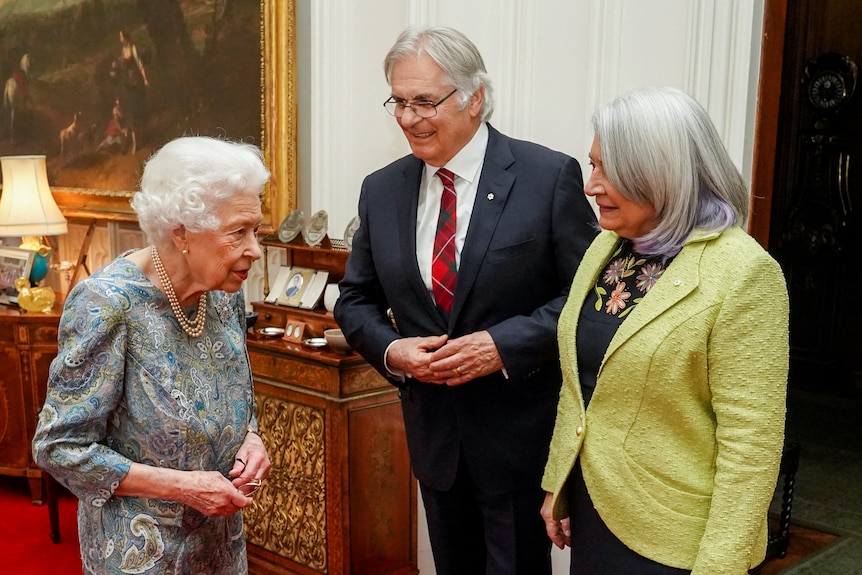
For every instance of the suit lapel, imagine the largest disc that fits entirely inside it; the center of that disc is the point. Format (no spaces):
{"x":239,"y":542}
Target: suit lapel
{"x":407,"y":201}
{"x":581,"y":293}
{"x":495,"y":184}
{"x":680,"y":278}
{"x":592,"y":264}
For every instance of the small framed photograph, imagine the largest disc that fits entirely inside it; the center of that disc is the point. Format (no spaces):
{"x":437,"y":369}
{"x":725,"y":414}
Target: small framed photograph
{"x":14,"y":263}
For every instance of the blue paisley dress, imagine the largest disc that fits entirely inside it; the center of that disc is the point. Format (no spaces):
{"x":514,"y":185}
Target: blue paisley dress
{"x":129,"y":385}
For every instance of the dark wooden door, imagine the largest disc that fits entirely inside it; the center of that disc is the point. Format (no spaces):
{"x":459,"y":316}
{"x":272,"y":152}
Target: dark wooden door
{"x":807,"y":189}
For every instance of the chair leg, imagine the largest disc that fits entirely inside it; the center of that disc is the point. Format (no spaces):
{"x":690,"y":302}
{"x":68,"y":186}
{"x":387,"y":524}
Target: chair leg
{"x":53,"y":496}
{"x":789,"y":467}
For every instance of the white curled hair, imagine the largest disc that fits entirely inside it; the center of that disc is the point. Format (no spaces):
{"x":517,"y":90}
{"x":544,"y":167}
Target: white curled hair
{"x":186,"y":181}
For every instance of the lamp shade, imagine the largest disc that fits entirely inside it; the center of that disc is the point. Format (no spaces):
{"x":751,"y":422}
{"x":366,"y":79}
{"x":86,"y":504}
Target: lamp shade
{"x":27,"y":207}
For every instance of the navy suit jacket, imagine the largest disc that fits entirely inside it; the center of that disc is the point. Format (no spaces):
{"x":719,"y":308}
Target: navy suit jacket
{"x":529,"y":228}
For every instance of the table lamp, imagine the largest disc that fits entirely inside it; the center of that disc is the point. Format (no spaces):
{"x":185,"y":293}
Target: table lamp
{"x":28,"y":211}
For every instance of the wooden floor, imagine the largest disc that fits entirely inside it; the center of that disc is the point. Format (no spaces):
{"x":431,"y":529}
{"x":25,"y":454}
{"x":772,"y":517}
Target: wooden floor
{"x":804,"y":542}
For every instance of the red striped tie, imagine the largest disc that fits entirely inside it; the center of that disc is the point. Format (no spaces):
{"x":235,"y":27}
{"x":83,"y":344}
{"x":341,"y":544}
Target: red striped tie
{"x":444,"y":271}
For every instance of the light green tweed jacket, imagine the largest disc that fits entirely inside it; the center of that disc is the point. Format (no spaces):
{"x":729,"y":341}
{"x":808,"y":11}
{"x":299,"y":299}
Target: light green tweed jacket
{"x":681,"y":444}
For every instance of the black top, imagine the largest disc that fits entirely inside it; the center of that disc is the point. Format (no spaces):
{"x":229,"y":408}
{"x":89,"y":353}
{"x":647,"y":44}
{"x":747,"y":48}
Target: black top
{"x":622,"y":285}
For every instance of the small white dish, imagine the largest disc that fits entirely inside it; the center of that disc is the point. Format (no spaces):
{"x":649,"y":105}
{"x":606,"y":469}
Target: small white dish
{"x":271,"y":331}
{"x":316,"y":229}
{"x":350,"y":231}
{"x":291,"y":226}
{"x":336,"y":340}
{"x":315,"y":342}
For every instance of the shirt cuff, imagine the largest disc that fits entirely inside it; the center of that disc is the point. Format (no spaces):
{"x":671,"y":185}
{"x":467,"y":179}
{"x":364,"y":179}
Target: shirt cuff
{"x":396,"y":373}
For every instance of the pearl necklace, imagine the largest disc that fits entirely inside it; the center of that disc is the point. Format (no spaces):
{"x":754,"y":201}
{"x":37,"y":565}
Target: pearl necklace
{"x":193,"y":328}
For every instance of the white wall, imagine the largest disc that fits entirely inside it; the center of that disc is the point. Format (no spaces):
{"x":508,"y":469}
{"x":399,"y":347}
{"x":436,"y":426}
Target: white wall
{"x":552,"y":62}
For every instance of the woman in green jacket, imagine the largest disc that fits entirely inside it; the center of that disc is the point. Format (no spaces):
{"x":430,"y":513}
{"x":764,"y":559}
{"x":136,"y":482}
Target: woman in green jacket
{"x":674,"y":352}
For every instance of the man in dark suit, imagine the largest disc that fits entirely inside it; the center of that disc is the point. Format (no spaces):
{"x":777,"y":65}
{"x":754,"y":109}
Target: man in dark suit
{"x":452,"y":291}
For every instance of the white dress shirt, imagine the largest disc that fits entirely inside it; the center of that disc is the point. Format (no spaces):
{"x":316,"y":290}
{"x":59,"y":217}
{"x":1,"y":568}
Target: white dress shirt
{"x":467,"y":167}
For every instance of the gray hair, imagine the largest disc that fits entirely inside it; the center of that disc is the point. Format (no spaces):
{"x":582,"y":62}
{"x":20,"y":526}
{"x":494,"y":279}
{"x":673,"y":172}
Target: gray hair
{"x":660,"y":147}
{"x":186,"y":181}
{"x":456,"y":55}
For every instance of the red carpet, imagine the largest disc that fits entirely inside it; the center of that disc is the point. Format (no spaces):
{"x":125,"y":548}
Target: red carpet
{"x":25,"y":535}
{"x":26,"y":548}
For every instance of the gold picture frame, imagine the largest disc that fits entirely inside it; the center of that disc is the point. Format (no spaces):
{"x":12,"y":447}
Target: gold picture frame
{"x":278,"y":129}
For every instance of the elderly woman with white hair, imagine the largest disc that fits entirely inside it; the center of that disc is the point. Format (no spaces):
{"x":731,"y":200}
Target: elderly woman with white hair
{"x":674,"y":352}
{"x":149,"y":418}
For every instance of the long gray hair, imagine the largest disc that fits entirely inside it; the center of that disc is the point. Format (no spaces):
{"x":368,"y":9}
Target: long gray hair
{"x":456,"y":55}
{"x":660,"y":147}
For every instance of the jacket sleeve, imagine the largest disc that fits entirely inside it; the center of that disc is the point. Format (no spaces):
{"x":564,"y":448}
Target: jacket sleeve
{"x":748,"y":357}
{"x":361,"y":309}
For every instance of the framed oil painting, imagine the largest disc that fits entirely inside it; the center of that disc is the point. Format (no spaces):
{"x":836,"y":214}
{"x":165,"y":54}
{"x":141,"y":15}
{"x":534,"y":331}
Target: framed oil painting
{"x":99,"y":85}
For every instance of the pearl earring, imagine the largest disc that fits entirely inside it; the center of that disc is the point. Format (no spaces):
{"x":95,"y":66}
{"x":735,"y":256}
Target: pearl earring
{"x":185,"y":251}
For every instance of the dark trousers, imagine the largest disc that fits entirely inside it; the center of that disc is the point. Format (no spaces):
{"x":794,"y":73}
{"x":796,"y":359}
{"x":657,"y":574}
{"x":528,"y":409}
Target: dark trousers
{"x":477,"y":533}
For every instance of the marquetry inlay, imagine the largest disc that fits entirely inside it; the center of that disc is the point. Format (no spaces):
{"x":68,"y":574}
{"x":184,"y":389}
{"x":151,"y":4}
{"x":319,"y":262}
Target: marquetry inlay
{"x":288,"y":516}
{"x":286,"y":369}
{"x":359,"y":380}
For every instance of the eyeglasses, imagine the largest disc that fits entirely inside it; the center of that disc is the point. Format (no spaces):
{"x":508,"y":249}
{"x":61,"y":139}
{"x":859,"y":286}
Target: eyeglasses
{"x":423,"y":109}
{"x":250,"y":488}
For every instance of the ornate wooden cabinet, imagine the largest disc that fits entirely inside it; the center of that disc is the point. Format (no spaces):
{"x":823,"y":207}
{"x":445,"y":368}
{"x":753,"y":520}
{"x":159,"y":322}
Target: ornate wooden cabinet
{"x":28,"y":343}
{"x":340,"y":498}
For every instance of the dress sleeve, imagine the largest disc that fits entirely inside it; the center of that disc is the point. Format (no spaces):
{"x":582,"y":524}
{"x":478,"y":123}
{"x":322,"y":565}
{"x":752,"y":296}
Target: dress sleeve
{"x":85,"y":387}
